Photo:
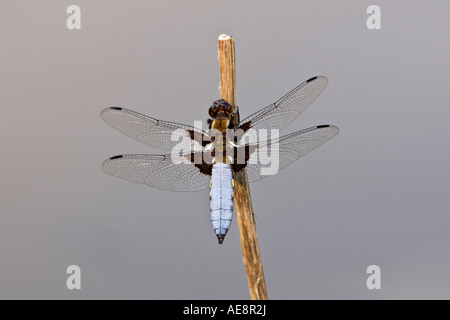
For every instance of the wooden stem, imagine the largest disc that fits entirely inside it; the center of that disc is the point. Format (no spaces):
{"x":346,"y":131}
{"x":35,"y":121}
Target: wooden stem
{"x":242,"y":198}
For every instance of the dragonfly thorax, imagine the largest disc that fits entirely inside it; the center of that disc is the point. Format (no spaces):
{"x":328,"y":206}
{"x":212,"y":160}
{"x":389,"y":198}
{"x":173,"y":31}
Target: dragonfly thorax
{"x":222,"y":147}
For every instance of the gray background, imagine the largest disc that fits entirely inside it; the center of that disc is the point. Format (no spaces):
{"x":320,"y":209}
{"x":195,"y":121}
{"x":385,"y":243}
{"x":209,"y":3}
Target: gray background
{"x":378,"y":193}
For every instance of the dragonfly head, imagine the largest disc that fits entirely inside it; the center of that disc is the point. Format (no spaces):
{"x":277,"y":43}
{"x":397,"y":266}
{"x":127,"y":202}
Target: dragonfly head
{"x":220,"y":110}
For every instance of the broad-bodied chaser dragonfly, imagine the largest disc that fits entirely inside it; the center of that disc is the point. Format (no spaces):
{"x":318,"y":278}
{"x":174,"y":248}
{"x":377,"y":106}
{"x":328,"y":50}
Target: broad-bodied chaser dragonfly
{"x":211,"y":158}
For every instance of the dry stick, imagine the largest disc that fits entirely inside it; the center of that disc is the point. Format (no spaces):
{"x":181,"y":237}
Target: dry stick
{"x":242,"y":198}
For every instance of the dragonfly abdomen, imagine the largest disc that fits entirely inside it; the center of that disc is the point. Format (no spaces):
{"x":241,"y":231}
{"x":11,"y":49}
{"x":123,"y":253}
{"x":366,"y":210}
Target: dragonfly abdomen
{"x":221,"y":199}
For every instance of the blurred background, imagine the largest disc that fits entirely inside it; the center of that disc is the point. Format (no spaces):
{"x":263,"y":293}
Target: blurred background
{"x":378,"y":193}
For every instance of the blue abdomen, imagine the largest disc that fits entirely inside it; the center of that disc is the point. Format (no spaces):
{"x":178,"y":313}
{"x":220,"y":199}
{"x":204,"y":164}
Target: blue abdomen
{"x":221,"y":199}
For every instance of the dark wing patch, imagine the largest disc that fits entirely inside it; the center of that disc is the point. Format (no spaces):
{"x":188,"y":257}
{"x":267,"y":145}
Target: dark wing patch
{"x":198,"y":160}
{"x":242,"y":153}
{"x":200,"y":138}
{"x":245,"y":126}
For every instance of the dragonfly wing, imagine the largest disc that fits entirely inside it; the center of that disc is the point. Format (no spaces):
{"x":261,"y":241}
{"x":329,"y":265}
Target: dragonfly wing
{"x":152,"y":132}
{"x":286,"y":150}
{"x":160,"y":171}
{"x":281,"y":113}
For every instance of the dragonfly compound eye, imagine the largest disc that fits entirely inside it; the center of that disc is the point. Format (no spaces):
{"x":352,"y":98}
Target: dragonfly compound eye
{"x":213,"y":111}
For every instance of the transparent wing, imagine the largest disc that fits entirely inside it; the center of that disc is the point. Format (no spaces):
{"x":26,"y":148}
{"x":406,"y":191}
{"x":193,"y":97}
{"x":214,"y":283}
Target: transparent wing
{"x":155,"y":133}
{"x":157,"y":171}
{"x":290,"y":148}
{"x":281,"y":113}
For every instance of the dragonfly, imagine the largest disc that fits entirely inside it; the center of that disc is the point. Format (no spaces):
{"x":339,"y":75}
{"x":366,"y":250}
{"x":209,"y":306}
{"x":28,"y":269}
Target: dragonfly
{"x":214,"y":158}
